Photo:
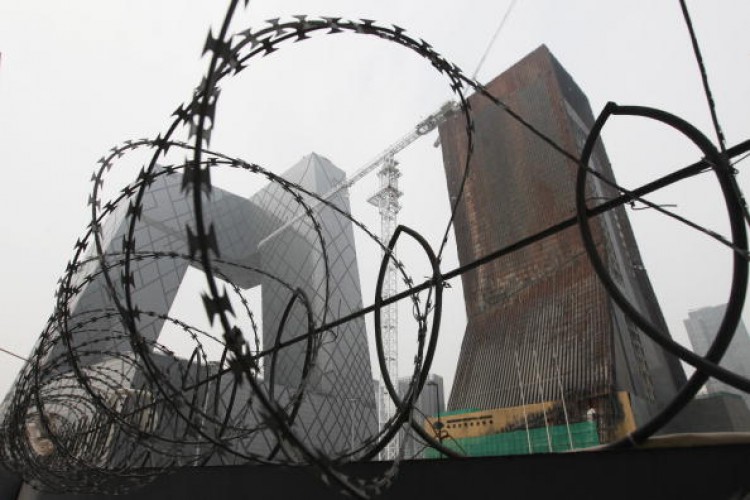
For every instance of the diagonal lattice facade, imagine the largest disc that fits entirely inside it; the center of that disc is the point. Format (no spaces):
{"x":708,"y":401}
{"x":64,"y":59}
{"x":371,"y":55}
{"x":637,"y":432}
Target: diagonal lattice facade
{"x":261,"y":242}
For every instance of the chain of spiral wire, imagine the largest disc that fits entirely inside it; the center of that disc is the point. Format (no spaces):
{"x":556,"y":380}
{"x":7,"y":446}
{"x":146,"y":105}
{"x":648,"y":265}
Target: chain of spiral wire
{"x":46,"y":379}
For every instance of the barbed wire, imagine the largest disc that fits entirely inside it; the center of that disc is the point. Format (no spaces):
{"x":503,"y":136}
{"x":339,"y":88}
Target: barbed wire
{"x":103,"y":406}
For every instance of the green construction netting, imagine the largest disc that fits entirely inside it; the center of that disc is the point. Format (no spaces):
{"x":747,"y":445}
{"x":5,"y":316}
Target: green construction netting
{"x":539,"y":440}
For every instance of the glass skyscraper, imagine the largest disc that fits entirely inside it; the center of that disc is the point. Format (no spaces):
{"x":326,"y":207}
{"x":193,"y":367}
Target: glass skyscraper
{"x":702,"y":325}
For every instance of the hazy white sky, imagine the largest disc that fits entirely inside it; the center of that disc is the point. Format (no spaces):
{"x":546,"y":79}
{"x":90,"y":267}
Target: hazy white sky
{"x":78,"y":77}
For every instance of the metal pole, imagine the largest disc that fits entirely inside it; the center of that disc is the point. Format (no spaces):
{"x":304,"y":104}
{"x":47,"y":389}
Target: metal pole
{"x":562,"y":396}
{"x":541,"y":396}
{"x":523,"y":401}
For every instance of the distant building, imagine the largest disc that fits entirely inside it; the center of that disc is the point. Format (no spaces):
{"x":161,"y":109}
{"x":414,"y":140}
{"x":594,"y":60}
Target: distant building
{"x":430,"y":403}
{"x":540,"y":325}
{"x":702,"y":325}
{"x":713,"y":412}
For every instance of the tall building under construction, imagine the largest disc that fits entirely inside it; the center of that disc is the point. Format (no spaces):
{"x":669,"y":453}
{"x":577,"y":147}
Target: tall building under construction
{"x":540,"y":326}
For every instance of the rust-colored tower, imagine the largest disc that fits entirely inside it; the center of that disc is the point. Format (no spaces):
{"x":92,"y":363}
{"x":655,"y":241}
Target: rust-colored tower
{"x":540,"y":325}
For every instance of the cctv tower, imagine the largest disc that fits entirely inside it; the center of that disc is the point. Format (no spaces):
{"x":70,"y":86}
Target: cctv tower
{"x":264,"y":243}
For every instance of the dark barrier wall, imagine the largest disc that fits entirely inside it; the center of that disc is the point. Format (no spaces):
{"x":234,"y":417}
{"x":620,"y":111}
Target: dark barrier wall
{"x":709,"y":472}
{"x":10,"y":484}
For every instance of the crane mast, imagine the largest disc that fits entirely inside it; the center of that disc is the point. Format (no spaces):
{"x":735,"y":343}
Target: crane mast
{"x":386,"y":198}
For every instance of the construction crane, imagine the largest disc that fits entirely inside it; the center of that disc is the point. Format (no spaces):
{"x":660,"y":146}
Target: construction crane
{"x":386,"y":198}
{"x":424,"y":127}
